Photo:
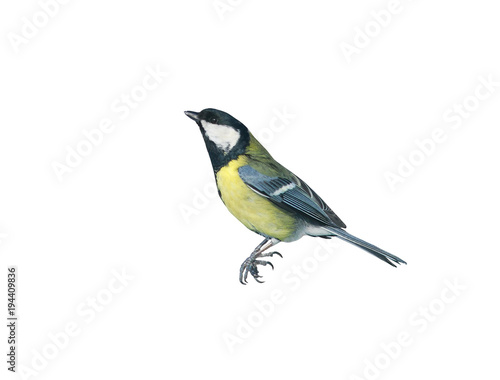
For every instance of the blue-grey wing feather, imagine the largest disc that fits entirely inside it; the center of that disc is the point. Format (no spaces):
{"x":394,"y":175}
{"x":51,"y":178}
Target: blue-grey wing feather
{"x":290,"y":194}
{"x":333,"y":217}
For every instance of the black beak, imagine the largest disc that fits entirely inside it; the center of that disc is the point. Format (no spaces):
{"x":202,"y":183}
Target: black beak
{"x":192,"y":115}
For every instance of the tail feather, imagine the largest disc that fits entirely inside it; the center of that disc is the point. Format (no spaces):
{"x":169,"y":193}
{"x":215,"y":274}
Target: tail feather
{"x":370,"y":248}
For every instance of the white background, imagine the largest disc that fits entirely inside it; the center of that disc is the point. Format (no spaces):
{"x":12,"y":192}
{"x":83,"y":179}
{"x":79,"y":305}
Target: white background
{"x":121,"y":207}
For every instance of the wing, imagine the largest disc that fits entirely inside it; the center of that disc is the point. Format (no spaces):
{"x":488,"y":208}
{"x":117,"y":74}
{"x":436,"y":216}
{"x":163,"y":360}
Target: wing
{"x":316,"y":198}
{"x":292,"y":193}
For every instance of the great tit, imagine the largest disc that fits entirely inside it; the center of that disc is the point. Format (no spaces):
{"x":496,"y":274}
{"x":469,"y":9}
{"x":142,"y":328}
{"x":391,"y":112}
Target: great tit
{"x":264,"y":195}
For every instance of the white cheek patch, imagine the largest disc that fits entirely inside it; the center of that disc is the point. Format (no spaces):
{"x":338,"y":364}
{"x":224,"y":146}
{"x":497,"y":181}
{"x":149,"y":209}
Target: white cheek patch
{"x":224,"y":136}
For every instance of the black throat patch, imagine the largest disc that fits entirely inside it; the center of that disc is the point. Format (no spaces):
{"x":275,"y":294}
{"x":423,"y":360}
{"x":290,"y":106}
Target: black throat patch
{"x":220,"y":159}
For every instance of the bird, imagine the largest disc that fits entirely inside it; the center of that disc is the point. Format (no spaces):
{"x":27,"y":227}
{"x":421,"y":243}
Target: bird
{"x":265,"y":196}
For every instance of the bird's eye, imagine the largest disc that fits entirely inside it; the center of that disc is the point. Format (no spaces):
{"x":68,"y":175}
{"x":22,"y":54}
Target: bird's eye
{"x":213,"y":120}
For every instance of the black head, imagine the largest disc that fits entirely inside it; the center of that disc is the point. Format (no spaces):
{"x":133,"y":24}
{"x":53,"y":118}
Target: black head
{"x":225,"y":137}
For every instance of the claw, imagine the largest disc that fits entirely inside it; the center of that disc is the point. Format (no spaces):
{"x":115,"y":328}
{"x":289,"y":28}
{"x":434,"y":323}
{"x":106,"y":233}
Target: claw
{"x":270,"y":254}
{"x":250,"y":265}
{"x":246,"y":276}
{"x":271,"y":264}
{"x":243,"y":273}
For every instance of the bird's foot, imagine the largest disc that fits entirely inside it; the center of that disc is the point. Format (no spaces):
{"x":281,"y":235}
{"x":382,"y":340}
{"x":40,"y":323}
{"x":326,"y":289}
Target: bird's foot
{"x":250,"y":266}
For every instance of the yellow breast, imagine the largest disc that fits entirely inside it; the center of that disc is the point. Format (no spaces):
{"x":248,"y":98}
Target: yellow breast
{"x":253,"y":210}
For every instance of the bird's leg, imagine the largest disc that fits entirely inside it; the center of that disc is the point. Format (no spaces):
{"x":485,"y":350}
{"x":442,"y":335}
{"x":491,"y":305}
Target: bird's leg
{"x":250,"y":264}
